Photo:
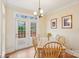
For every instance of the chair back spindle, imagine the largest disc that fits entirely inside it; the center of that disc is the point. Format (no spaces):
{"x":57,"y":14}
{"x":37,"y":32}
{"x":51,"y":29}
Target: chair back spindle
{"x":52,"y":50}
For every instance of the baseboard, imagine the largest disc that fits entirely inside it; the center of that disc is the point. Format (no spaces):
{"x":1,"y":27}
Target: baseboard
{"x":72,"y":52}
{"x":7,"y":54}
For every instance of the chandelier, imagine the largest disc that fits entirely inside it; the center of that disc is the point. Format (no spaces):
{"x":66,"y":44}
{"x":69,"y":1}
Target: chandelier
{"x":39,"y":12}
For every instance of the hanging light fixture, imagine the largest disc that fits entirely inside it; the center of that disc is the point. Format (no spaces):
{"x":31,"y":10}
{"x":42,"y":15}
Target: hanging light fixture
{"x":39,"y":12}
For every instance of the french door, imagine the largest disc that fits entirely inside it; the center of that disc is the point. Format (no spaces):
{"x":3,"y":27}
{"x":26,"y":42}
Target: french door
{"x":25,"y":29}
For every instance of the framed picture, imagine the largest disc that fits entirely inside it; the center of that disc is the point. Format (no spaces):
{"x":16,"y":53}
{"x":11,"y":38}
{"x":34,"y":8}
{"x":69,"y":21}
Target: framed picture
{"x":67,"y":21}
{"x":54,"y":23}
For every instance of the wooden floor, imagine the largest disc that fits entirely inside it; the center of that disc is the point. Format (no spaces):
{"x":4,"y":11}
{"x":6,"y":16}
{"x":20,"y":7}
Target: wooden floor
{"x":29,"y":53}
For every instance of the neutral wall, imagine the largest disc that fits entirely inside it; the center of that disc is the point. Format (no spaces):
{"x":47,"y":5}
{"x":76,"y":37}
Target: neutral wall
{"x":71,"y":35}
{"x":42,"y":26}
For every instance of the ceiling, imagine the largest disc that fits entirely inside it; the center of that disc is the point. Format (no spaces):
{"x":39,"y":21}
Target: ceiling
{"x":46,"y":5}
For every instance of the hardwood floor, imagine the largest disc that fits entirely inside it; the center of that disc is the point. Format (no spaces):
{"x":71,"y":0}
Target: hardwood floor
{"x":25,"y":53}
{"x":29,"y":53}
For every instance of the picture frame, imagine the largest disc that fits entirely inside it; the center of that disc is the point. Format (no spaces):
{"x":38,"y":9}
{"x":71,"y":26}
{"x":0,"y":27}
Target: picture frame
{"x":67,"y":22}
{"x":54,"y":23}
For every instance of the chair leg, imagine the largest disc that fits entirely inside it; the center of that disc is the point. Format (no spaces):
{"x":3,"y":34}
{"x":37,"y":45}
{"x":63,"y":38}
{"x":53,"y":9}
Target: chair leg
{"x":35,"y":54}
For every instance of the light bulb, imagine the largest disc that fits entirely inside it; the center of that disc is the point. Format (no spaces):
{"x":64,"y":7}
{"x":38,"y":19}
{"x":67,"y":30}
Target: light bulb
{"x":41,"y":11}
{"x":35,"y":13}
{"x":41,"y":14}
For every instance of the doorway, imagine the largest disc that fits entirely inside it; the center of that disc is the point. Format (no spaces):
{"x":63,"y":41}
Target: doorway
{"x":25,"y":28}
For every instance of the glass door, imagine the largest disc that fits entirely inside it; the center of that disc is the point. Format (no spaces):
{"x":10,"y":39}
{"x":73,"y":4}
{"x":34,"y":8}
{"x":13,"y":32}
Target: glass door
{"x":21,"y":33}
{"x":26,"y":27}
{"x":33,"y":29}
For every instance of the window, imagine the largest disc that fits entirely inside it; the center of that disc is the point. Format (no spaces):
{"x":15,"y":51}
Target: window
{"x":21,"y":29}
{"x":33,"y":29}
{"x":25,"y":25}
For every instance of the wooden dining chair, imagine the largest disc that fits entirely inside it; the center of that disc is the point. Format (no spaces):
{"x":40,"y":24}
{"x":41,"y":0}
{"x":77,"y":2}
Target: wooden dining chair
{"x":61,"y":40}
{"x":35,"y":44}
{"x":52,"y":50}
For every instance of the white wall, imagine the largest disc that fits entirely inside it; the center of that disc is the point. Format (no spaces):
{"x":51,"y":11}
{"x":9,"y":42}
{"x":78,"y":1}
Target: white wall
{"x":71,"y":35}
{"x":0,"y":27}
